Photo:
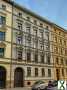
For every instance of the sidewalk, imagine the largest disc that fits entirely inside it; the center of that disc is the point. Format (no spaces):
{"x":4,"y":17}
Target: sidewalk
{"x":24,"y":88}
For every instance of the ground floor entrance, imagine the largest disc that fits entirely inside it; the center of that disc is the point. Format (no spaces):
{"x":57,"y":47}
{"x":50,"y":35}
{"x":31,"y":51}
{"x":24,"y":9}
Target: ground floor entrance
{"x":18,"y":77}
{"x":2,"y":77}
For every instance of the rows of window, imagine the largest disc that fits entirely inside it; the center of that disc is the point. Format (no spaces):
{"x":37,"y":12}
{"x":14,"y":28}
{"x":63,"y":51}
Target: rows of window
{"x":61,"y":72}
{"x":30,"y":29}
{"x":35,"y":21}
{"x":61,"y":61}
{"x":43,"y":72}
{"x":36,"y":72}
{"x":28,"y":40}
{"x":61,"y":41}
{"x":60,"y":50}
{"x":28,"y":18}
{"x":31,"y":55}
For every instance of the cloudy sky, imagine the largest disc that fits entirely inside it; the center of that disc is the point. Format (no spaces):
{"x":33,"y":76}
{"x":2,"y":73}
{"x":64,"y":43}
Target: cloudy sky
{"x":53,"y":10}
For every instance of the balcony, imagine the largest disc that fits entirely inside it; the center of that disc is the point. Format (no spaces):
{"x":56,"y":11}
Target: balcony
{"x":2,"y":44}
{"x":2,"y":27}
{"x":3,"y":12}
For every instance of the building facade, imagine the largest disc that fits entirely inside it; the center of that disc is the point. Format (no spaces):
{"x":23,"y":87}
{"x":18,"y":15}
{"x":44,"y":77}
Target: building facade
{"x":59,"y":47}
{"x":28,"y":50}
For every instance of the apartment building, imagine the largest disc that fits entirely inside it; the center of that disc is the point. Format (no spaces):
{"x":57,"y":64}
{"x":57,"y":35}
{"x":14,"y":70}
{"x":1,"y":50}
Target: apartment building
{"x":28,"y":47}
{"x":59,"y":52}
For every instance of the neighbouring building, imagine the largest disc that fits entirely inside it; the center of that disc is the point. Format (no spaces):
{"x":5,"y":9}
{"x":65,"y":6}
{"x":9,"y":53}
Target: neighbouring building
{"x":31,"y":48}
{"x":59,"y":52}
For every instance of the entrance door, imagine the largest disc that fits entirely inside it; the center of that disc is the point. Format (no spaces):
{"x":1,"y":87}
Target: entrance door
{"x":58,"y":74}
{"x":18,"y":77}
{"x":2,"y":77}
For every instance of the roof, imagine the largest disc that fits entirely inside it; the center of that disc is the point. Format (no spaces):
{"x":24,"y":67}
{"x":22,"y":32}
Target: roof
{"x":33,"y":14}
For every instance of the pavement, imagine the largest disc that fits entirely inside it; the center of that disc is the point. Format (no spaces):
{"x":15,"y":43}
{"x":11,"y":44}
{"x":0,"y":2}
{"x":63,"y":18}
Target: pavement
{"x":24,"y":88}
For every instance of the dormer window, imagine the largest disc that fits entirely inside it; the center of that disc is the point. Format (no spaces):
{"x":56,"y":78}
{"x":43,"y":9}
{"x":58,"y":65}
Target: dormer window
{"x":41,"y":24}
{"x":47,"y":27}
{"x":20,"y":14}
{"x":28,"y":18}
{"x":35,"y":22}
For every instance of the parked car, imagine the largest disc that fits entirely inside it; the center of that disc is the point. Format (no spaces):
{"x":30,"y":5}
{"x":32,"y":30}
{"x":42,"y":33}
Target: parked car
{"x":52,"y":85}
{"x":39,"y":85}
{"x":55,"y":83}
{"x":49,"y":88}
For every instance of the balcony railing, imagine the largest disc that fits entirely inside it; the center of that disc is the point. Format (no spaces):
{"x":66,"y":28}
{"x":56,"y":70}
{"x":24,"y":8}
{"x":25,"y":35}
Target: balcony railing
{"x":2,"y":27}
{"x":2,"y":44}
{"x":2,"y":11}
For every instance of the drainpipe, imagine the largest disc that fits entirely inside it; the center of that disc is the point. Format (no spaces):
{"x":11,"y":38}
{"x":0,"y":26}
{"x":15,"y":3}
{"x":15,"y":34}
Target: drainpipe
{"x":11,"y":43}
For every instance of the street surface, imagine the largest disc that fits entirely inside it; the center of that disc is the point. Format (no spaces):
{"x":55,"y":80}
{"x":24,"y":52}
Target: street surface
{"x":24,"y":88}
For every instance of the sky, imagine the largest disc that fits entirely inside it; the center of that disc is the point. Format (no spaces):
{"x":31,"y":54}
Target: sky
{"x":52,"y":10}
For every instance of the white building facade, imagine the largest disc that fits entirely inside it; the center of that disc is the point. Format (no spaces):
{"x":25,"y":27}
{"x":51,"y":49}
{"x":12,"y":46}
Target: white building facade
{"x":27,"y":52}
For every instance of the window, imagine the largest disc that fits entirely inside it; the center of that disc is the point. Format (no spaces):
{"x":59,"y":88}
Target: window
{"x":47,"y":47}
{"x":41,"y":24}
{"x":61,"y":50}
{"x":48,"y":58}
{"x":41,"y":33}
{"x":49,"y":72}
{"x":41,"y":46}
{"x":42,"y":58}
{"x":28,"y":55}
{"x":66,"y":61}
{"x":60,"y":41}
{"x":19,"y":38}
{"x":62,"y":61}
{"x":43,"y":72}
{"x":28,"y":27}
{"x":41,"y":43}
{"x":56,"y":50}
{"x":62,"y":72}
{"x":47,"y":27}
{"x":28,"y":38}
{"x":28,"y":71}
{"x":57,"y":60}
{"x":47,"y":35}
{"x":36,"y":72}
{"x":35,"y":42}
{"x":2,"y":35}
{"x":20,"y":14}
{"x":28,"y":18}
{"x":36,"y":56}
{"x":66,"y":51}
{"x":35,"y":22}
{"x":64,"y":42}
{"x":3,"y":7}
{"x":1,"y":52}
{"x":20,"y":26}
{"x":35,"y":30}
{"x":55,"y":38}
{"x":59,"y":33}
{"x":19,"y":54}
{"x":2,"y":20}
